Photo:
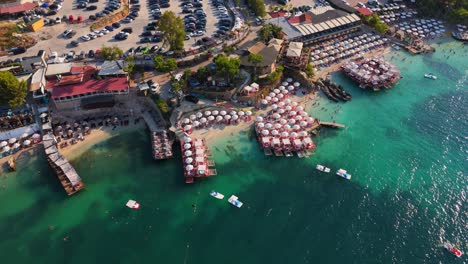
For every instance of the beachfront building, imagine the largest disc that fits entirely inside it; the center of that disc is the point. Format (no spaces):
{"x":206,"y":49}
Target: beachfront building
{"x":77,"y":87}
{"x":15,"y":7}
{"x":317,"y":25}
{"x":269,"y":53}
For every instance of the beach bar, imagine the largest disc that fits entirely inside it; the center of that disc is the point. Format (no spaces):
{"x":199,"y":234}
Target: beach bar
{"x":65,"y":172}
{"x":195,"y":154}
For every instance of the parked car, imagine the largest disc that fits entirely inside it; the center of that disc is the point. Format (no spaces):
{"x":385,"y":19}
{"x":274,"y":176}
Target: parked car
{"x":18,"y":50}
{"x":74,"y":43}
{"x":116,"y":25}
{"x":110,"y":28}
{"x":91,"y":54}
{"x":127,"y":30}
{"x":90,"y":8}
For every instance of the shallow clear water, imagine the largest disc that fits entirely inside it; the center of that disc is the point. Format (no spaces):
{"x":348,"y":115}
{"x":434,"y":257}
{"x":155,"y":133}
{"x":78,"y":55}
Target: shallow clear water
{"x":406,"y":149}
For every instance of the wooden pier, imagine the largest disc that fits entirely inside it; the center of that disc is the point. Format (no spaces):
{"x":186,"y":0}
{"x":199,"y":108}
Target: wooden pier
{"x":332,"y":124}
{"x":67,"y":175}
{"x":161,"y":142}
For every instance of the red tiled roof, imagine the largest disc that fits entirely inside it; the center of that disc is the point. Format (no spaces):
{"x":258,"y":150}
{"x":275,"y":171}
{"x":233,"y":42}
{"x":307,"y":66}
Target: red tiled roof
{"x":79,"y":69}
{"x":365,"y":11}
{"x":277,"y":14}
{"x":91,"y":86}
{"x":304,"y":18}
{"x":17,"y":8}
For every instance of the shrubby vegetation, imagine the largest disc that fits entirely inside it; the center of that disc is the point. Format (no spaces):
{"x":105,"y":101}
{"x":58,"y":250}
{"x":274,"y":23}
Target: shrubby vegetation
{"x":12,"y":91}
{"x":269,"y":31}
{"x":258,"y":7}
{"x":455,"y":11}
{"x":375,"y":22}
{"x":173,"y":30}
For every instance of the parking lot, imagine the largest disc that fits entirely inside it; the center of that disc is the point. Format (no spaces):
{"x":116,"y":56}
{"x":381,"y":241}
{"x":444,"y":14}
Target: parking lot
{"x":51,"y":39}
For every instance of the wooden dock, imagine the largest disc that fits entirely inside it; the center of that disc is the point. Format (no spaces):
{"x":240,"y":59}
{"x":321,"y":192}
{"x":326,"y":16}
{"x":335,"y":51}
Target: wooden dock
{"x":332,"y":124}
{"x":65,"y":172}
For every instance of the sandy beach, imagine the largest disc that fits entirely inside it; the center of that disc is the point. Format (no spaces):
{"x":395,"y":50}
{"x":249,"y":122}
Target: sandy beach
{"x":20,"y":156}
{"x":214,"y":132}
{"x":97,"y":135}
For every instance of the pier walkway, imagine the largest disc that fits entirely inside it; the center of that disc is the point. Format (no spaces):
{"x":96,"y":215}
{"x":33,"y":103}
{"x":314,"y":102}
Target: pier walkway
{"x":332,"y":124}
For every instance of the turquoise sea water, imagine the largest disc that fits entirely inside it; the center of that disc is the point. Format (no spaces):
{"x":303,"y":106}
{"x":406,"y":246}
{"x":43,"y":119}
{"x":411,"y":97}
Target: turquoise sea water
{"x":406,"y":149}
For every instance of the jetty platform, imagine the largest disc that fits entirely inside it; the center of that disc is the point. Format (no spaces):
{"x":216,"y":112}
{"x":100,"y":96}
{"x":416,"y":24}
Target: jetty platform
{"x":332,"y":124}
{"x":65,"y":172}
{"x":161,"y":142}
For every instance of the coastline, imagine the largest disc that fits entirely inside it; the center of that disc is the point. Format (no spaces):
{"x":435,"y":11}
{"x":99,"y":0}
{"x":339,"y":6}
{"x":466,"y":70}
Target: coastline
{"x":20,"y":156}
{"x":97,"y":136}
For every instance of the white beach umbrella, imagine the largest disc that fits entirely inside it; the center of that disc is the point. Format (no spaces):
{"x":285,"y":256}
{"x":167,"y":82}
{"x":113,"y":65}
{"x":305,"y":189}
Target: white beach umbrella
{"x":287,"y":127}
{"x":207,"y":113}
{"x":265,"y":132}
{"x":264,"y":102}
{"x":298,"y":118}
{"x":303,"y":113}
{"x":227,"y":117}
{"x":284,"y":83}
{"x":211,"y":118}
{"x":300,"y":108}
{"x":310,"y":120}
{"x":248,"y":113}
{"x":274,"y":132}
{"x":288,"y":108}
{"x":294,"y":104}
{"x":268,"y":125}
{"x":186,"y":121}
{"x":282,"y":87}
{"x":189,"y":167}
{"x":281,"y":104}
{"x":292,"y":113}
{"x":260,"y":125}
{"x":292,"y":121}
{"x":24,"y":135}
{"x":219,"y":118}
{"x":196,"y":123}
{"x":276,"y":91}
{"x":303,"y":123}
{"x":188,"y":153}
{"x":187,"y":140}
{"x":16,"y":145}
{"x":259,"y":119}
{"x":284,"y":134}
{"x":281,"y":111}
{"x":293,"y":134}
{"x":303,"y":134}
{"x":6,"y":148}
{"x":193,"y":117}
{"x":26,"y":142}
{"x":268,"y":98}
{"x":12,"y":140}
{"x":283,"y":121}
{"x":199,"y":115}
{"x":241,"y":113}
{"x":188,"y":160}
{"x":3,"y":143}
{"x":215,"y":112}
{"x":233,"y":113}
{"x":289,"y":80}
{"x":284,"y":91}
{"x":187,"y":127}
{"x":36,"y":136}
{"x":291,"y":88}
{"x":223,"y":113}
{"x":280,"y":96}
{"x":235,"y":117}
{"x":278,"y":125}
{"x":203,"y":120}
{"x":275,"y":100}
{"x":287,"y":101}
{"x":296,"y":127}
{"x":276,"y":116}
{"x":272,"y":95}
{"x":187,"y":146}
{"x":296,"y":84}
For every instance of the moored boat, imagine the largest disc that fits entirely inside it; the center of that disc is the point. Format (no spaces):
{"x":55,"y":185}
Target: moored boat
{"x":430,"y":76}
{"x":217,"y":195}
{"x":322,"y":168}
{"x":133,"y":204}
{"x":234,"y":201}
{"x":344,"y":174}
{"x":453,"y":250}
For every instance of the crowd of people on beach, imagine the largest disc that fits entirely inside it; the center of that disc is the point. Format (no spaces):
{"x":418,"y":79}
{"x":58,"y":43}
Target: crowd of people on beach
{"x":14,"y":119}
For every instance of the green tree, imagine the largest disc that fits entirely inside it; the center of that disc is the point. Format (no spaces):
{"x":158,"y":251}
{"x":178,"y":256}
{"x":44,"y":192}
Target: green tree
{"x":12,"y":91}
{"x":173,"y":30}
{"x":111,"y":53}
{"x":255,"y":59}
{"x":309,"y":70}
{"x":130,"y":67}
{"x":258,"y":7}
{"x":202,"y":74}
{"x":226,"y":67}
{"x":269,"y":31}
{"x":162,"y":65}
{"x":162,"y":105}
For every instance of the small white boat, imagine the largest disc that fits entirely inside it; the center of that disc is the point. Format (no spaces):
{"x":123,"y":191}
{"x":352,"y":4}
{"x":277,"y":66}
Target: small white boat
{"x":344,"y":174}
{"x":396,"y":47}
{"x":234,"y":201}
{"x":217,"y":195}
{"x":430,"y":76}
{"x":453,"y":250}
{"x":322,"y":168}
{"x":133,"y":204}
